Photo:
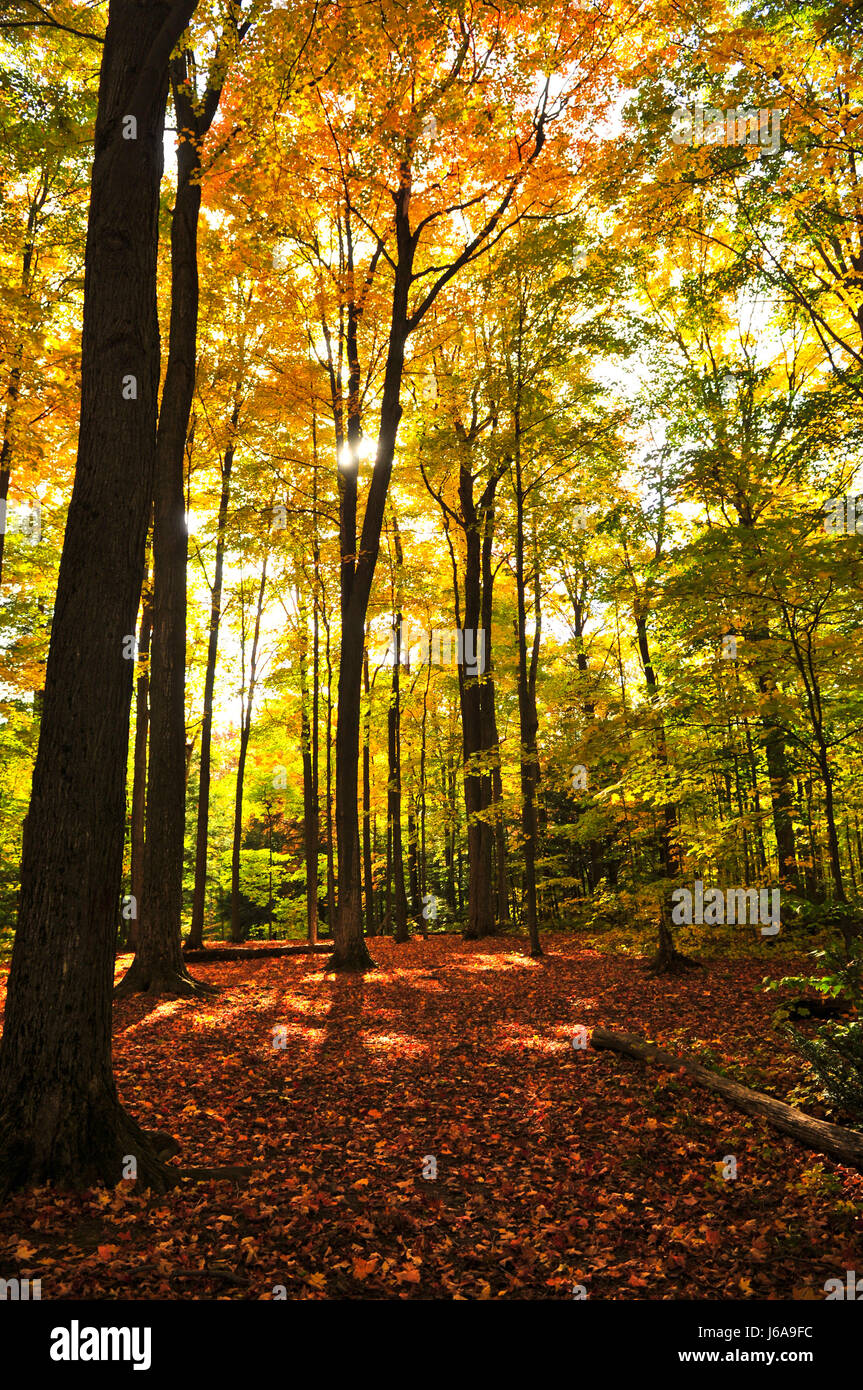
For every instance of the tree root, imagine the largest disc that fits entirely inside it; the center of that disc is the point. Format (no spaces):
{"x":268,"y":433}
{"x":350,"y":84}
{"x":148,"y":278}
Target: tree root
{"x":671,"y":962}
{"x":357,"y":960}
{"x":161,"y":979}
{"x":93,"y":1147}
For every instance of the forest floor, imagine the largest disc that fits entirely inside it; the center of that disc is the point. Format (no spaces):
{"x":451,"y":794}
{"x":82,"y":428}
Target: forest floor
{"x":556,"y":1166}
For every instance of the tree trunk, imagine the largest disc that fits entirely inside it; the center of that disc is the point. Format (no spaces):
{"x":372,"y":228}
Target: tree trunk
{"x":158,"y":967}
{"x":196,"y":933}
{"x":13,"y":390}
{"x":480,"y":909}
{"x":780,"y":796}
{"x":491,"y":738}
{"x":310,"y":800}
{"x":413,"y":862}
{"x":245,"y":733}
{"x":526,"y":712}
{"x":423,"y":867}
{"x":668,"y":856}
{"x":668,"y":960}
{"x":60,"y":1119}
{"x":356,"y":574}
{"x":139,"y":776}
{"x":394,"y":797}
{"x":331,"y":875}
{"x":369,"y":890}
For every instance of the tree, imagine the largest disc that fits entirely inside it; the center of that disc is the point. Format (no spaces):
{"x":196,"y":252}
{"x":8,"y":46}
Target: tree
{"x":60,"y":1118}
{"x":247,"y":695}
{"x":158,"y":966}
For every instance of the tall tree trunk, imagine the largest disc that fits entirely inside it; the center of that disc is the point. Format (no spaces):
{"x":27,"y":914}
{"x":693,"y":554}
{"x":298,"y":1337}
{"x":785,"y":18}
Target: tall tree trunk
{"x":394,"y":734}
{"x":357,"y":570}
{"x":369,"y":891}
{"x":756,"y":796}
{"x":668,"y":855}
{"x":60,"y":1119}
{"x":413,"y":861}
{"x":196,"y":933}
{"x":310,"y":800}
{"x":781,"y":796}
{"x":394,"y":795}
{"x":578,"y":594}
{"x":491,"y":739}
{"x":474,"y":691}
{"x":423,"y":889}
{"x":158,"y":967}
{"x":316,"y":661}
{"x":808,"y":671}
{"x":331,"y":874}
{"x":480,"y":919}
{"x":12,"y":392}
{"x":773,"y":735}
{"x":13,"y":389}
{"x":139,"y":775}
{"x":526,"y":706}
{"x":237,"y":933}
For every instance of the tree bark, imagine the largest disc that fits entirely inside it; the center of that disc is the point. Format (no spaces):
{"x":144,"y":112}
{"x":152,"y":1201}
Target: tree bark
{"x":245,"y":733}
{"x":331,"y":873}
{"x":394,"y":796}
{"x":310,"y":800}
{"x":13,"y":389}
{"x":60,"y":1118}
{"x":368,"y":882}
{"x":139,"y":776}
{"x":491,"y":738}
{"x":526,"y":706}
{"x":668,"y":854}
{"x":357,"y":573}
{"x":195,"y":938}
{"x":480,"y":910}
{"x":158,"y":967}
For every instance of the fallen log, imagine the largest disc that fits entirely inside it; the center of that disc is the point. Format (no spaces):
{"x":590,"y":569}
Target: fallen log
{"x":214,"y":953}
{"x":845,"y":1145}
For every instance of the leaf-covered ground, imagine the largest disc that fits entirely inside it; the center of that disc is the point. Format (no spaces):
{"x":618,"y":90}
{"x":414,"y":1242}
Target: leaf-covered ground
{"x":556,"y":1166}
